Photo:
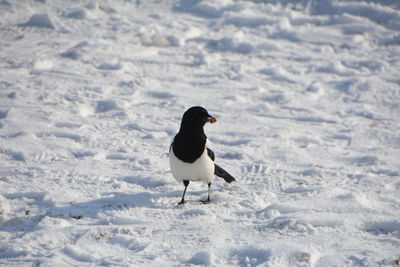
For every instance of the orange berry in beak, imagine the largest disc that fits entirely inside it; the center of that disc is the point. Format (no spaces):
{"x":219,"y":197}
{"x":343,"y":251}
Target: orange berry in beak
{"x":213,"y":120}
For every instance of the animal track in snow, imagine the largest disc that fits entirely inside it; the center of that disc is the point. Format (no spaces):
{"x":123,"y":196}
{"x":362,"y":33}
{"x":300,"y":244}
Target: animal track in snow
{"x":161,"y":95}
{"x":13,"y":135}
{"x":83,"y":153}
{"x":250,"y":256}
{"x":106,"y":105}
{"x":254,"y":169}
{"x":3,"y":114}
{"x":193,"y":213}
{"x":256,"y":175}
{"x":383,"y":228}
{"x":71,"y":136}
{"x":67,"y":125}
{"x":13,"y":155}
{"x":49,"y":156}
{"x":231,"y":143}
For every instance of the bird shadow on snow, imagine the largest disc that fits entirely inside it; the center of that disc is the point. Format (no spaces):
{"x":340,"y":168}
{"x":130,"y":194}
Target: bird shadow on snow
{"x":119,"y":201}
{"x":92,"y":209}
{"x":99,"y":211}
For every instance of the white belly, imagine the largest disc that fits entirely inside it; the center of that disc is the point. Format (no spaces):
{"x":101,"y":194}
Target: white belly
{"x":200,"y":170}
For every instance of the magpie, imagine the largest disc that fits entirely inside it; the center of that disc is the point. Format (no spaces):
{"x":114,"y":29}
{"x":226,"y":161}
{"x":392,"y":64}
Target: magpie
{"x":189,"y":157}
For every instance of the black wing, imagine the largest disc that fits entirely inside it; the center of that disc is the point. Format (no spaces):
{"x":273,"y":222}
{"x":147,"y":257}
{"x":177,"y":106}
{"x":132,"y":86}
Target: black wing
{"x":211,"y":154}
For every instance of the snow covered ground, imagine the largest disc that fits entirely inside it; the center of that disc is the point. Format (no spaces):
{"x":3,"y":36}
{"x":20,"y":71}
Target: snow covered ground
{"x":307,"y":97}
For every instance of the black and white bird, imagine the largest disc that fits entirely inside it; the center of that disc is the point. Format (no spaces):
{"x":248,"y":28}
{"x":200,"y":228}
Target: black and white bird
{"x":190,"y":158}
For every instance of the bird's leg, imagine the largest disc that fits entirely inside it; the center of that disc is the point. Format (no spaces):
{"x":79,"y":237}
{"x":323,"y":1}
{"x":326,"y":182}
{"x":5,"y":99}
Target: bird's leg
{"x":208,"y":198}
{"x":185,"y":183}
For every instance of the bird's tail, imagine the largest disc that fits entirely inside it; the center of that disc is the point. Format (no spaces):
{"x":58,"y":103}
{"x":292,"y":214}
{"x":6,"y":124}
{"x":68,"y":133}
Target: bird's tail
{"x":218,"y":171}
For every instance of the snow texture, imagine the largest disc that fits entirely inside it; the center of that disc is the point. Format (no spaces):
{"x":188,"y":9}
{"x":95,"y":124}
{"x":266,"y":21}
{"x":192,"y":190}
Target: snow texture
{"x":306,"y":94}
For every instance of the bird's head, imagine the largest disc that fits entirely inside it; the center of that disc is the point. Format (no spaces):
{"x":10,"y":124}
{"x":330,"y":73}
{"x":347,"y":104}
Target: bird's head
{"x":197,"y":116}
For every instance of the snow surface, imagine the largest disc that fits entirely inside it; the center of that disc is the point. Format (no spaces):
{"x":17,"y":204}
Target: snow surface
{"x":307,"y":98}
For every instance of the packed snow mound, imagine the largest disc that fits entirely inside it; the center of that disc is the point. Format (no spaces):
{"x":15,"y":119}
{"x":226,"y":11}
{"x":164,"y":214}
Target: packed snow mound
{"x":39,"y":20}
{"x":306,"y":94}
{"x":205,"y":8}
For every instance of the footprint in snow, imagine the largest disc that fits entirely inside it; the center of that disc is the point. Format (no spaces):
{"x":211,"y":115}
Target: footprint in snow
{"x":67,"y":125}
{"x":192,"y":213}
{"x":74,"y":137}
{"x":161,"y":95}
{"x":251,"y":256}
{"x":13,"y":155}
{"x":106,"y":105}
{"x":3,"y":114}
{"x":258,"y":176}
{"x":13,"y":135}
{"x":83,"y":153}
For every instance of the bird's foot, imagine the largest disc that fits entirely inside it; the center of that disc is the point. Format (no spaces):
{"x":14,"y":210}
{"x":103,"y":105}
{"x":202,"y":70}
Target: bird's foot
{"x":182,"y":202}
{"x":205,"y":201}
